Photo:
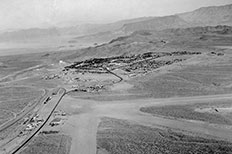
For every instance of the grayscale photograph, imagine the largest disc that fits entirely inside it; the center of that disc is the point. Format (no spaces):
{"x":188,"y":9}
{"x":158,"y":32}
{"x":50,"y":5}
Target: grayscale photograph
{"x":115,"y":76}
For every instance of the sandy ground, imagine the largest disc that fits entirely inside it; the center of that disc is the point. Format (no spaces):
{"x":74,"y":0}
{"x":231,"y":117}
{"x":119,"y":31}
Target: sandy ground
{"x":85,"y":129}
{"x":85,"y":116}
{"x":81,"y":125}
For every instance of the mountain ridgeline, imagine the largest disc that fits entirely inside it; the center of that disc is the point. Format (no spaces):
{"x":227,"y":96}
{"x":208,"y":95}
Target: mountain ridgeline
{"x":205,"y":16}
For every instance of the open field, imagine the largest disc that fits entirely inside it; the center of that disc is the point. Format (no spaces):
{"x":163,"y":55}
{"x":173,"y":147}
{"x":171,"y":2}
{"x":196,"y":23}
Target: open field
{"x":149,"y":92}
{"x":49,"y":144}
{"x":15,"y":99}
{"x":214,"y":114}
{"x":120,"y":136}
{"x":88,"y":113}
{"x":5,"y":116}
{"x":204,"y":75}
{"x":13,"y":66}
{"x":10,"y":132}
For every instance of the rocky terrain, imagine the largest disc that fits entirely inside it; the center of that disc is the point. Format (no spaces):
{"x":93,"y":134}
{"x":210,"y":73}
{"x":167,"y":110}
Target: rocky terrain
{"x":157,"y":85}
{"x":206,"y":16}
{"x":118,"y":136}
{"x":215,"y":15}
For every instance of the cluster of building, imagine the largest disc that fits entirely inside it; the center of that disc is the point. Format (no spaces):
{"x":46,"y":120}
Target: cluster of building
{"x":33,"y":122}
{"x":55,"y":122}
{"x":53,"y":76}
{"x":126,"y":65}
{"x":146,"y":66}
{"x":141,"y":62}
{"x":93,"y":88}
{"x":59,"y":113}
{"x":58,"y":117}
{"x":217,"y":53}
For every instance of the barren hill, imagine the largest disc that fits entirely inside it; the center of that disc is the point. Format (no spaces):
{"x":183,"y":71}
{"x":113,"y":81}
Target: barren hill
{"x":220,"y":29}
{"x":213,"y":15}
{"x":158,"y":41}
{"x":157,"y":23}
{"x":206,"y":16}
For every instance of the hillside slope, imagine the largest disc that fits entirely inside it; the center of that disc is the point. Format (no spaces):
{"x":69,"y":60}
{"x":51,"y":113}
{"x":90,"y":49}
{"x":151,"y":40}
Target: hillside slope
{"x":79,"y":30}
{"x":214,"y":15}
{"x":205,"y":16}
{"x":195,"y":38}
{"x":157,"y":23}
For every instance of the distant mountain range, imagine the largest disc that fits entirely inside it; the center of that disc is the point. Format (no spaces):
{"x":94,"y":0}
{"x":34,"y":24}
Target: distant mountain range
{"x":157,"y":23}
{"x":29,"y":34}
{"x":205,"y":16}
{"x":209,"y":16}
{"x":88,"y":29}
{"x":192,"y":38}
{"x":77,"y":31}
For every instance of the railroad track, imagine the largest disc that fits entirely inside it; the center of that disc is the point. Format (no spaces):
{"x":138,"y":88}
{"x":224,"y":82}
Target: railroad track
{"x":28,"y":139}
{"x":28,"y":110}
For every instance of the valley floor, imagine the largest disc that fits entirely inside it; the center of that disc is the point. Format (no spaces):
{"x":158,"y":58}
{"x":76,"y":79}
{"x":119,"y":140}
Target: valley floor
{"x":147,"y":101}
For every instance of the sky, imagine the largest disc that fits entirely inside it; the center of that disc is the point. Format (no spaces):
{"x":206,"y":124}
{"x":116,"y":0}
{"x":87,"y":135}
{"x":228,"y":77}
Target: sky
{"x":22,"y":14}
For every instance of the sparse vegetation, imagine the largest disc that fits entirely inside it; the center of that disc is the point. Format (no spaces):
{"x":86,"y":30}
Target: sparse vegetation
{"x":15,"y":99}
{"x":121,"y":75}
{"x":191,"y":80}
{"x":186,"y":112}
{"x":49,"y":132}
{"x":49,"y":144}
{"x":120,"y":136}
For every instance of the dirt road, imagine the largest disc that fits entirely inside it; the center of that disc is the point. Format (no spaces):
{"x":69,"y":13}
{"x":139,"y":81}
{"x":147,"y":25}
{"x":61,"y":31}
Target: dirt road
{"x":45,"y":112}
{"x":85,"y":133}
{"x":82,"y":124}
{"x":24,"y":112}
